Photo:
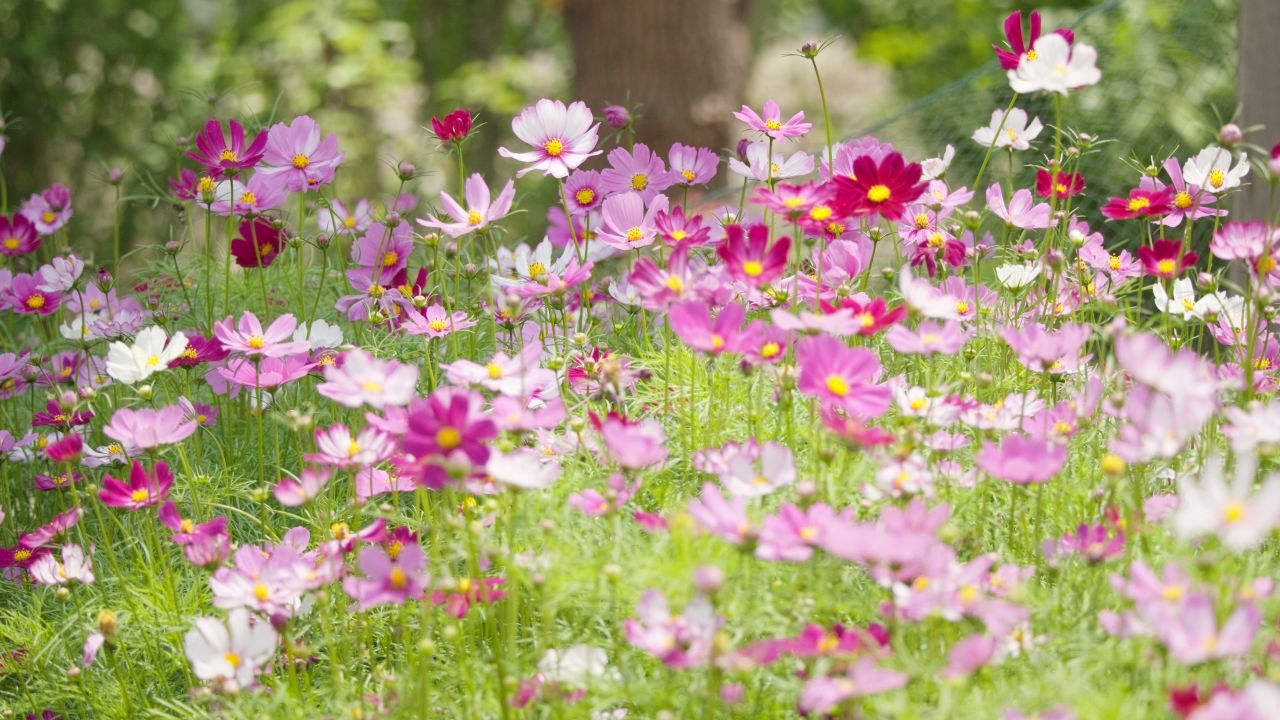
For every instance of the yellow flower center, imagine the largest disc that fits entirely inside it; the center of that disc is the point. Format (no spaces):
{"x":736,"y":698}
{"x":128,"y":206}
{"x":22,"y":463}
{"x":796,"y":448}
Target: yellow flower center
{"x":248,"y":198}
{"x":820,"y":213}
{"x":1031,"y":55}
{"x":301,"y":161}
{"x":12,"y":243}
{"x":257,"y":342}
{"x":21,"y":555}
{"x":494,"y":370}
{"x":773,"y":124}
{"x":35,"y":302}
{"x":1172,"y":593}
{"x":688,"y":175}
{"x":770,"y":349}
{"x":186,"y":526}
{"x":537,"y":270}
{"x":1182,"y":200}
{"x":390,"y":259}
{"x":675,"y":284}
{"x":1217,"y":178}
{"x":679,"y":235}
{"x":372,"y":386}
{"x":937,"y":240}
{"x":232,"y":659}
{"x":1233,"y":513}
{"x":464,"y":585}
{"x":918,"y":404}
{"x":922,"y":221}
{"x":752,"y":268}
{"x":349,"y":221}
{"x":1114,"y":262}
{"x":227,"y":156}
{"x":474,"y":218}
{"x":398,"y":579}
{"x":717,"y":341}
{"x":206,"y":185}
{"x":837,"y":385}
{"x":353,"y":449}
{"x":962,"y":307}
{"x":878,"y":193}
{"x":554,"y":147}
{"x":635,"y":235}
{"x":968,"y":594}
{"x":438,"y":325}
{"x":261,"y":592}
{"x":448,"y":438}
{"x":639,"y":182}
{"x":1166,"y":267}
{"x":1265,"y":264}
{"x":1139,"y":203}
{"x":376,"y":290}
{"x":585,"y":196}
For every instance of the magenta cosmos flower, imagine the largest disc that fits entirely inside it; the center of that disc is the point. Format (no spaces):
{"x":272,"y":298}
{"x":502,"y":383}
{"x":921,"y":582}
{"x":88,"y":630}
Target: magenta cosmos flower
{"x":771,"y":122}
{"x":296,"y":156}
{"x":1022,"y":459}
{"x":562,"y":138}
{"x":146,"y":428}
{"x":1017,"y":46}
{"x":220,"y":156}
{"x":144,"y":489}
{"x":448,"y":423}
{"x":640,"y":170}
{"x":882,"y":188}
{"x":18,"y":236}
{"x":454,"y":127}
{"x":248,"y":337}
{"x":633,"y":444}
{"x":749,"y":257}
{"x":49,"y":209}
{"x":841,"y":376}
{"x":478,"y":213}
{"x":1166,"y":258}
{"x":691,"y":322}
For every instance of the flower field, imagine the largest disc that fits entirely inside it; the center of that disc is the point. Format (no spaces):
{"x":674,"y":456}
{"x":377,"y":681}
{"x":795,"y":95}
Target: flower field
{"x":851,"y":438}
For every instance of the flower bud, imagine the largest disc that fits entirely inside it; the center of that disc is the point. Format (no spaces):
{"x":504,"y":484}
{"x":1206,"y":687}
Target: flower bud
{"x":810,"y":49}
{"x":1230,"y":135}
{"x":115,"y":176}
{"x":107,"y":624}
{"x":406,"y":171}
{"x":392,"y":219}
{"x":616,"y":116}
{"x":145,"y":392}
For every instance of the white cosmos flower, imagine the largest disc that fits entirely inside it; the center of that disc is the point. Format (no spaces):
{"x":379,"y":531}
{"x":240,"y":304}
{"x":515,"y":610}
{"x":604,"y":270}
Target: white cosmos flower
{"x":760,"y":166}
{"x":524,"y":468}
{"x":150,"y":353}
{"x":575,"y":665}
{"x":1184,"y":298}
{"x":1211,"y":169}
{"x":322,"y":334}
{"x":1015,"y":276}
{"x":231,"y":652}
{"x":935,"y":167}
{"x":1233,"y":512}
{"x":75,"y":567}
{"x":1016,"y":133}
{"x":1054,"y":65}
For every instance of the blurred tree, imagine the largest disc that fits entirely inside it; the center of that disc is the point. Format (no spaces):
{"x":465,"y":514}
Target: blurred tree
{"x":681,"y":66}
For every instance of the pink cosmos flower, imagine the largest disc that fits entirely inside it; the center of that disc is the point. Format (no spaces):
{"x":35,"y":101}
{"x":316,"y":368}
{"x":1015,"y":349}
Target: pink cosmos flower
{"x":1192,"y":634}
{"x":1054,"y":352}
{"x":381,"y":253}
{"x":627,"y":224}
{"x":478,"y":213}
{"x":336,"y":446}
{"x":1022,"y":459}
{"x":220,"y":156}
{"x":46,"y":534}
{"x":640,"y":170}
{"x":695,"y":166}
{"x":458,"y":602}
{"x":793,"y":532}
{"x":679,"y":641}
{"x":1021,"y":212}
{"x":292,"y":492}
{"x":337,"y":218}
{"x":1094,"y":543}
{"x":388,"y":578}
{"x":691,"y":321}
{"x":632,"y":444}
{"x":48,"y":210}
{"x":841,"y":376}
{"x":969,"y":655}
{"x":146,"y":428}
{"x":363,"y":379}
{"x":562,"y":138}
{"x":823,"y":695}
{"x":248,"y":337}
{"x":928,"y":338}
{"x":749,"y":256}
{"x":449,"y":424}
{"x":18,"y":236}
{"x":269,"y":372}
{"x":505,"y":374}
{"x":75,"y":566}
{"x":771,"y":123}
{"x":723,"y":517}
{"x":436,"y":322}
{"x":754,"y":470}
{"x":676,"y":228}
{"x":298,"y":157}
{"x":144,"y":488}
{"x":245,"y":198}
{"x":24,"y":296}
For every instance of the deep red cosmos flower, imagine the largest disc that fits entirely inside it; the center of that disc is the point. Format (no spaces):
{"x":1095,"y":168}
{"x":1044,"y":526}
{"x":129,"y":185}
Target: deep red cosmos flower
{"x":258,"y":244}
{"x":219,"y":156}
{"x":1166,"y":259}
{"x":454,"y":127}
{"x":883,"y":188}
{"x":1140,"y":203}
{"x":1058,"y":184}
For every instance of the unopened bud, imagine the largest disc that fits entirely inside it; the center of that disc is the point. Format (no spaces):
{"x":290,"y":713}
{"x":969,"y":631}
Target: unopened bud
{"x":1230,"y":135}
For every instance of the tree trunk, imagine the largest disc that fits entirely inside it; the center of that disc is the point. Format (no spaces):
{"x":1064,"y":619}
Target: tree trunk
{"x":680,"y":65}
{"x":1258,"y":93}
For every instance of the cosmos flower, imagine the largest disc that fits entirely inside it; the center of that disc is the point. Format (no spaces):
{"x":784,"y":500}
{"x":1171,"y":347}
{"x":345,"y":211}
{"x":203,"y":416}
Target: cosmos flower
{"x":750,"y":257}
{"x":235,"y":651}
{"x":219,"y":156}
{"x":693,"y":165}
{"x":257,"y":244}
{"x":388,"y":579}
{"x":363,"y":379}
{"x":1211,"y":169}
{"x":18,"y":236}
{"x":562,"y":137}
{"x":151,"y":352}
{"x":246,"y":336}
{"x":1022,"y":460}
{"x":479,"y":212}
{"x":1015,"y":133}
{"x":75,"y":566}
{"x":454,"y":127}
{"x":841,"y":376}
{"x":884,"y":188}
{"x":143,"y":489}
{"x":771,"y":123}
{"x":639,"y":170}
{"x":1018,"y":48}
{"x":1054,"y":65}
{"x":1239,"y":516}
{"x":298,"y":157}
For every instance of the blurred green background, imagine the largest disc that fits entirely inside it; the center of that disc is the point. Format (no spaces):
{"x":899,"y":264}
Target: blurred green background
{"x":87,"y":85}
